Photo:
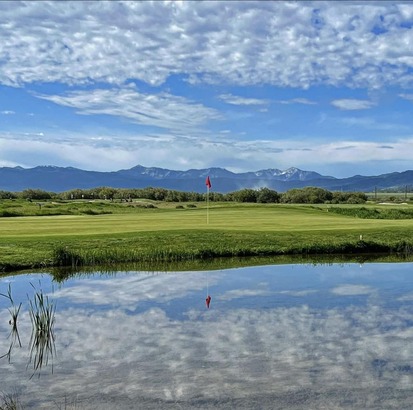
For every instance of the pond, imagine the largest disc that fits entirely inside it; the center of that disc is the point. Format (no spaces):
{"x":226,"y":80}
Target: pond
{"x":297,"y":336}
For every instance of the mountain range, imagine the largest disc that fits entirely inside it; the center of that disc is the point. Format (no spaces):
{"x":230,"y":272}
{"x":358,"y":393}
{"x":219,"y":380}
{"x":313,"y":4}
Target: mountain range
{"x":59,"y":179}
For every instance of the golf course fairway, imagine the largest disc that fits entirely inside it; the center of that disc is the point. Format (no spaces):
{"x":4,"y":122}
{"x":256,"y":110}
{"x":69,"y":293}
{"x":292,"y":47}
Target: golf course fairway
{"x":178,"y":233}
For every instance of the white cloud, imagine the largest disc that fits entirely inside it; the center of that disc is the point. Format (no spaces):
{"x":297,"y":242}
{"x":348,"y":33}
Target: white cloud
{"x":352,"y":104}
{"x":299,"y":293}
{"x":281,"y":43}
{"x":147,"y":287}
{"x":408,"y":97}
{"x":109,"y":152}
{"x":304,"y":101}
{"x":352,"y":290}
{"x":6,"y":112}
{"x":159,"y":110}
{"x":371,"y":123}
{"x":406,"y":298}
{"x":236,"y":100}
{"x":242,"y":293}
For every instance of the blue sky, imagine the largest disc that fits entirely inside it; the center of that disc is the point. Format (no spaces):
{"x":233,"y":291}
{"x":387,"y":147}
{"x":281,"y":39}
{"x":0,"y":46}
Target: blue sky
{"x":322,"y":86}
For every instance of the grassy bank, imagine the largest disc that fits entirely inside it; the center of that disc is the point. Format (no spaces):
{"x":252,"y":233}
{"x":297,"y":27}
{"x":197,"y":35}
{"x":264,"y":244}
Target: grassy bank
{"x":163,"y":233}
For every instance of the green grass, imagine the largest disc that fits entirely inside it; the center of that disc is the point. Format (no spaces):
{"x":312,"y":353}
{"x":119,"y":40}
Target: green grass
{"x":165,"y":234}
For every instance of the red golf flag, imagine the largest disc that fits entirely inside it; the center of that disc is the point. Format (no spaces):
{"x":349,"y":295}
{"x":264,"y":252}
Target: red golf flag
{"x":208,"y":182}
{"x":208,"y":301}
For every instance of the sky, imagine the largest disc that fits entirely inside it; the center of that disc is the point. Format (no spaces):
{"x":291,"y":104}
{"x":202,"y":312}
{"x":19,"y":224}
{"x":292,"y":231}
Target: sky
{"x":321,"y":86}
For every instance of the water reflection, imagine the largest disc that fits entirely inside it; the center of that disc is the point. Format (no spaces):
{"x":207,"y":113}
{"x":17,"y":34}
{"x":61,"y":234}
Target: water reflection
{"x":295,"y":336}
{"x":208,"y":301}
{"x":42,"y":316}
{"x":42,"y":340}
{"x":14,"y":311}
{"x":62,"y":274}
{"x":208,"y":296}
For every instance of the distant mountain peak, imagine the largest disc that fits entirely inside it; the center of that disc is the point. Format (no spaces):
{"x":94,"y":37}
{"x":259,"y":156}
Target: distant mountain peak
{"x":57,"y":179}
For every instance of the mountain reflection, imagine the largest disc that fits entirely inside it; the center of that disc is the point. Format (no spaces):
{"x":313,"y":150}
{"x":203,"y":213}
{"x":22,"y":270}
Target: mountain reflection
{"x":278,"y":337}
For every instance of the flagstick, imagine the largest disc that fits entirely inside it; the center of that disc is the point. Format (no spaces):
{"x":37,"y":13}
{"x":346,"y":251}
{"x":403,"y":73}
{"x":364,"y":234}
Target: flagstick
{"x":207,"y":205}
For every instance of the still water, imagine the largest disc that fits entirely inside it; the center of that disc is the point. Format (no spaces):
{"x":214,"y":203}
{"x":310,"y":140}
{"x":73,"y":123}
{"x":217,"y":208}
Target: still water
{"x":301,"y":336}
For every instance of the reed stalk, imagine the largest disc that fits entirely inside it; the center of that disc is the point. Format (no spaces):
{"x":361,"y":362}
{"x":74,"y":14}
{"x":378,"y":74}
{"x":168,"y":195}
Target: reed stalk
{"x":9,"y":402}
{"x":42,"y":341}
{"x":14,"y":311}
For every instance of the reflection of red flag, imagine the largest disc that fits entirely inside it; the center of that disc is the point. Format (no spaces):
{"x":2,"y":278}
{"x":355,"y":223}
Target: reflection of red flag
{"x":208,"y":301}
{"x":208,"y":182}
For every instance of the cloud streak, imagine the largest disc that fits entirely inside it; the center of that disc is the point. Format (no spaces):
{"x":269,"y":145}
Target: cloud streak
{"x":103,"y":152}
{"x":352,"y":104}
{"x":304,"y":101}
{"x":236,"y":100}
{"x":157,"y":110}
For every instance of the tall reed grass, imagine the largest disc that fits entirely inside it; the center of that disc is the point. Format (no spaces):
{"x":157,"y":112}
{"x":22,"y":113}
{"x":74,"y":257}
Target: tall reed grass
{"x":14,"y":311}
{"x":10,"y":402}
{"x":42,"y":341}
{"x":65,"y":256}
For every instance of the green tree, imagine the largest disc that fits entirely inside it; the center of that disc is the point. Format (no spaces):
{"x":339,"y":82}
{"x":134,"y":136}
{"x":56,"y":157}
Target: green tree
{"x":349,"y":197}
{"x":107,"y":193}
{"x":244,"y":195}
{"x":267,"y":196}
{"x":35,"y":194}
{"x":7,"y":195}
{"x":307,"y":195}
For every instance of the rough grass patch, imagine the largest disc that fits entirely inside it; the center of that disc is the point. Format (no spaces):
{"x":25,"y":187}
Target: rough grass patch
{"x":373,"y":213}
{"x":9,"y":214}
{"x":63,"y":256}
{"x":94,"y":212}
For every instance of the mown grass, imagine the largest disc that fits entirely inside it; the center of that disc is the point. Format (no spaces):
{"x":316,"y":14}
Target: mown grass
{"x":166,"y":234}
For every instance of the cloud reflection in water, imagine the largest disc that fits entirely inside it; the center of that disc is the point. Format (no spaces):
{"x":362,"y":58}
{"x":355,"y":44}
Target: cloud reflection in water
{"x":354,"y":353}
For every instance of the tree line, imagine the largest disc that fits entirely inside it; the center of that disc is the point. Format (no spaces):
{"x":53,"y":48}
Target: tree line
{"x":307,"y":195}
